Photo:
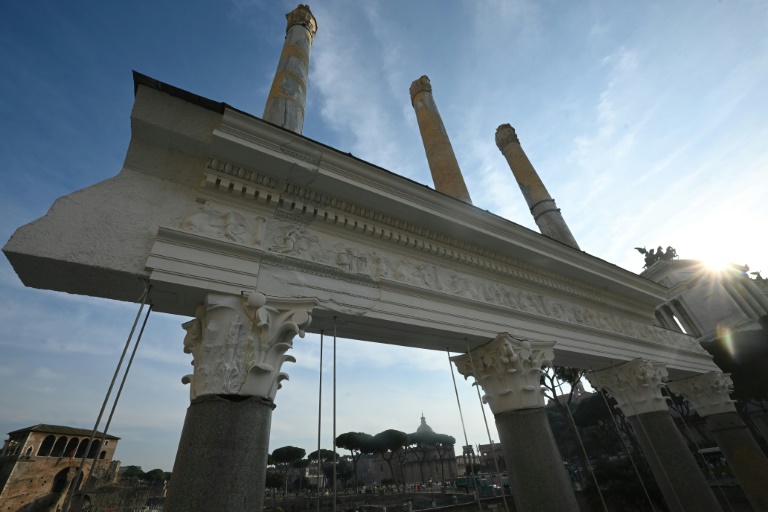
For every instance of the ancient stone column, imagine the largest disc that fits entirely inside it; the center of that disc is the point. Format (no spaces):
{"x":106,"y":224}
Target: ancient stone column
{"x":509,"y":369}
{"x":239,"y":346}
{"x":636,"y":386}
{"x":542,"y":206}
{"x":445,"y":170}
{"x":709,"y":394}
{"x":288,"y":95}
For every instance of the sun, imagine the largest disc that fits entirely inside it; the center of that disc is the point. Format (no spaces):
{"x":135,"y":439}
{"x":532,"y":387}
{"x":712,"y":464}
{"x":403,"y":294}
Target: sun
{"x":716,"y":263}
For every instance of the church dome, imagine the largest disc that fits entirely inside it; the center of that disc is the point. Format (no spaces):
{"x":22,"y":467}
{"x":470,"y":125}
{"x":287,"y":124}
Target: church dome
{"x":424,"y":427}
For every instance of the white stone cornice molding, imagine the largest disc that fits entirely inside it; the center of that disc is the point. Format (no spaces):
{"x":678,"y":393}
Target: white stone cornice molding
{"x":709,"y":392}
{"x":509,"y":371}
{"x":636,"y":385}
{"x":239,"y":343}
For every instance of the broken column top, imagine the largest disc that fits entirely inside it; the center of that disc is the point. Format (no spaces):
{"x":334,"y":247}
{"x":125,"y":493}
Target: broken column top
{"x":301,"y":15}
{"x":504,"y":135}
{"x":419,"y":85}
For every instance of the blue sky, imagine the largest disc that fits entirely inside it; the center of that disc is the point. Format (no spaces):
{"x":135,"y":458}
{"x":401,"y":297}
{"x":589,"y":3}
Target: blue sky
{"x":646,"y":121}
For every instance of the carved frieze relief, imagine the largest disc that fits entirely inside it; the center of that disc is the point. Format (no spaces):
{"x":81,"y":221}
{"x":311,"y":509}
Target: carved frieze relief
{"x":225,"y":224}
{"x":238,"y":343}
{"x":381,"y":265}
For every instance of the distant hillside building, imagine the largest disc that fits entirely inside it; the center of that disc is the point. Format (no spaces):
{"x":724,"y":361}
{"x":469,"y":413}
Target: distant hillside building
{"x":38,"y":465}
{"x":435,"y":468}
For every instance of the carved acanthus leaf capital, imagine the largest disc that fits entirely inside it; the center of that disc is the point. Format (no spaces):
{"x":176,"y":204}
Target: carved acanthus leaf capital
{"x":509,"y":371}
{"x":301,"y":15}
{"x":419,"y":85}
{"x":239,"y":343}
{"x":636,"y":385}
{"x":505,"y":134}
{"x":709,"y":392}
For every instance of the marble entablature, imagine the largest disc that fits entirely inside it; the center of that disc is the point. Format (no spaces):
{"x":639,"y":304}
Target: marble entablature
{"x":427,"y":261}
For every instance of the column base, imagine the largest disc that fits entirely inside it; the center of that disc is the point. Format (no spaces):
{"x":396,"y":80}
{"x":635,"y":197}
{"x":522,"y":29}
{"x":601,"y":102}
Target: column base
{"x":221,"y":462}
{"x":537,"y":476}
{"x":679,"y":477}
{"x":744,"y":455}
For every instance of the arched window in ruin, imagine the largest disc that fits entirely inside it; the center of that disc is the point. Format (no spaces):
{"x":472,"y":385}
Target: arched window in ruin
{"x":71,"y":447}
{"x":58,"y":448}
{"x":81,"y":448}
{"x":60,"y":481}
{"x":46,"y":446}
{"x":94,"y":449}
{"x":28,"y":453}
{"x":103,"y":455}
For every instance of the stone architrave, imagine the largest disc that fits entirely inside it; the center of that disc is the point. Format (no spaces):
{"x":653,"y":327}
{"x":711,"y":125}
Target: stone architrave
{"x":710,"y":395}
{"x":636,"y":386}
{"x":509,"y":371}
{"x":238,"y":344}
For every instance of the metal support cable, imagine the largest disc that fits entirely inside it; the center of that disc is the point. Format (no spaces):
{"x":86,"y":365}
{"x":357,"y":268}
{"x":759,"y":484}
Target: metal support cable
{"x":653,"y":449}
{"x":143,"y":299}
{"x":626,"y":449}
{"x":464,"y":429}
{"x":319,"y":416}
{"x":581,"y":446}
{"x":117,"y":396}
{"x":334,"y":414}
{"x":487,"y":429}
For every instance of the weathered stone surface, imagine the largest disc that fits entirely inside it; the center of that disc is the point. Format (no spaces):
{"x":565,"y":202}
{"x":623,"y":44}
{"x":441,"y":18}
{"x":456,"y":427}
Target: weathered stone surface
{"x":744,"y":456}
{"x":222,"y":457}
{"x":537,"y":477}
{"x":679,"y":477}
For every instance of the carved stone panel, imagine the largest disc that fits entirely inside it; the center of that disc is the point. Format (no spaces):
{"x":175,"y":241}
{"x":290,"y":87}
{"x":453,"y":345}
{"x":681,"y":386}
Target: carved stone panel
{"x":509,"y":371}
{"x":636,"y":385}
{"x":709,"y":392}
{"x":225,"y":224}
{"x":239,"y":344}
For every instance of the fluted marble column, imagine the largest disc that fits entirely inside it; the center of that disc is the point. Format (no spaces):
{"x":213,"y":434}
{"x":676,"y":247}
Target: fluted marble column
{"x":709,"y":394}
{"x":239,"y":346}
{"x":545,"y":213}
{"x":636,"y":386}
{"x":443,"y":165}
{"x":509,"y":371}
{"x":288,"y":95}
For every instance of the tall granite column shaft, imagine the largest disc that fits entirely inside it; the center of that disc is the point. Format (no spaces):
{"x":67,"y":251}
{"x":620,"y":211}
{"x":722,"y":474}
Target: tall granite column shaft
{"x":288,"y":95}
{"x":509,"y":369}
{"x":239,"y":346}
{"x":709,"y":394}
{"x":545,"y":213}
{"x":636,"y":386}
{"x":443,"y":165}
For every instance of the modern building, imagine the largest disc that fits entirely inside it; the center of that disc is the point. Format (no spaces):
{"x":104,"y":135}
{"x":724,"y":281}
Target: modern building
{"x":38,"y":465}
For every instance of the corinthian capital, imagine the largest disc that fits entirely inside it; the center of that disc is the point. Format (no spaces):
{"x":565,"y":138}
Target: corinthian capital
{"x":239,"y":344}
{"x":419,"y":85}
{"x":301,"y":15}
{"x":709,"y":392}
{"x":636,"y":385}
{"x":505,"y":134}
{"x":509,"y":371}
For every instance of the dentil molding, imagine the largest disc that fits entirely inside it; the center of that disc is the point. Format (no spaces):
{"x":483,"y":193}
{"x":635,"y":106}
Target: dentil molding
{"x":238,"y":343}
{"x":509,"y":371}
{"x":709,"y":392}
{"x":636,"y":385}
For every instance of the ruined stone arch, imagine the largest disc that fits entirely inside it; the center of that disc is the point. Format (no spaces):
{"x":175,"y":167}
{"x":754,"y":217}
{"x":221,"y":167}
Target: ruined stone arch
{"x":71,"y":447}
{"x":58,"y":448}
{"x":94,"y":449}
{"x":60,"y":481}
{"x":81,"y":448}
{"x":46,"y":446}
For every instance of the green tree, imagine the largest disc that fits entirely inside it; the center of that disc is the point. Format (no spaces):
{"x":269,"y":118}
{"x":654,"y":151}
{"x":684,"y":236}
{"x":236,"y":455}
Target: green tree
{"x":326,"y":459}
{"x":284,"y":458}
{"x":358,"y":444}
{"x":420,"y":444}
{"x":443,"y":444}
{"x":388,"y":444}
